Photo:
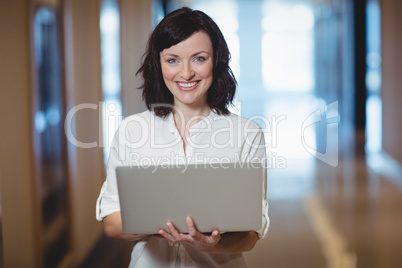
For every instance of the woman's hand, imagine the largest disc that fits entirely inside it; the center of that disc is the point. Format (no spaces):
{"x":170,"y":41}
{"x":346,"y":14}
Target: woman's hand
{"x":199,"y":240}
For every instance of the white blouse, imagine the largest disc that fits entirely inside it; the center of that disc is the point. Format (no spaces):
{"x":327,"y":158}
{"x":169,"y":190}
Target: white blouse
{"x":146,"y":139}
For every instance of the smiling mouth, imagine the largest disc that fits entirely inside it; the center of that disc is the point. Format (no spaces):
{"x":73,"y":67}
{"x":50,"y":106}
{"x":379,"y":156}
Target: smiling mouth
{"x":188,"y":86}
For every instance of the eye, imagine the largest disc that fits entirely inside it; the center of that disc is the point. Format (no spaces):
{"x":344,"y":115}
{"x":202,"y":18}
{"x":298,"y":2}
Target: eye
{"x":171,"y":61}
{"x":199,"y":59}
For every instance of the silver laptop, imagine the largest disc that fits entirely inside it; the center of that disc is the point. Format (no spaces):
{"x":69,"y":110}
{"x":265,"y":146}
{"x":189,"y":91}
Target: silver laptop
{"x":223,"y":196}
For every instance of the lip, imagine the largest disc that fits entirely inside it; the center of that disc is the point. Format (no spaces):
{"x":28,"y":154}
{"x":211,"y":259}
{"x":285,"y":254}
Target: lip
{"x":188,"y":88}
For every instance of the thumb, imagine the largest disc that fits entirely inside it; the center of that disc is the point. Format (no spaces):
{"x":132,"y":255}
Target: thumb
{"x":216,"y":236}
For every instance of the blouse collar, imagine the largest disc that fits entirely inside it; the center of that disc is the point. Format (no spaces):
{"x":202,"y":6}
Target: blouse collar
{"x":205,"y":123}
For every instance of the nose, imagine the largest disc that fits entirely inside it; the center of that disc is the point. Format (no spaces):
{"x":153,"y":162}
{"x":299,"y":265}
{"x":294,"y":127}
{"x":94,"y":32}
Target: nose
{"x":187,"y":72}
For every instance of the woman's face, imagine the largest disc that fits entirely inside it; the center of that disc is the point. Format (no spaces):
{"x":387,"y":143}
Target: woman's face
{"x":187,"y":70}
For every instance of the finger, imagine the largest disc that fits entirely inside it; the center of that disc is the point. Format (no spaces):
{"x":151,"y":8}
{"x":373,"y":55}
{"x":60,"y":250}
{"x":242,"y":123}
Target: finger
{"x":172,"y":229}
{"x":192,"y":231}
{"x":165,"y":234}
{"x":216,"y":235}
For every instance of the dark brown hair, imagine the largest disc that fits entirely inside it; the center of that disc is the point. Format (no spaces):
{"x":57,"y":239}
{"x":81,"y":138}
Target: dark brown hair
{"x":174,"y":28}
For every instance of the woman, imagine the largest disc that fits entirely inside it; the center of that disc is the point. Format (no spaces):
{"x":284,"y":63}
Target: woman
{"x":187,"y":88}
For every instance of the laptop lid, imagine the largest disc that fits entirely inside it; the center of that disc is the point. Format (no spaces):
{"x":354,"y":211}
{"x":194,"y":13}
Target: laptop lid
{"x":223,"y":196}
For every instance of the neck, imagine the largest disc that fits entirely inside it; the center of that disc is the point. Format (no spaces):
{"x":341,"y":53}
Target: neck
{"x":190,"y":115}
{"x":186,"y":116}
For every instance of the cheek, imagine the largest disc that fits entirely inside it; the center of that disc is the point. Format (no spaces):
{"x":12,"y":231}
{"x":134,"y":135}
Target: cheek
{"x":167,"y":73}
{"x":206,"y":71}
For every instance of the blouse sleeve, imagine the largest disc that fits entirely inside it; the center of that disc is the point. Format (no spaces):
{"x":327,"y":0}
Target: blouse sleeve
{"x":254,"y":150}
{"x":108,"y":200}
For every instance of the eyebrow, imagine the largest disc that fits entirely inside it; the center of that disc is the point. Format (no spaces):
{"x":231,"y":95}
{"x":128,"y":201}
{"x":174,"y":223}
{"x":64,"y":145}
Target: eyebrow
{"x":177,"y":56}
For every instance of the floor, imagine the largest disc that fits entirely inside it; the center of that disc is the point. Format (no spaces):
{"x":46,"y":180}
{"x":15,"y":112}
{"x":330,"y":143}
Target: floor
{"x":353,"y":220}
{"x":348,"y":216}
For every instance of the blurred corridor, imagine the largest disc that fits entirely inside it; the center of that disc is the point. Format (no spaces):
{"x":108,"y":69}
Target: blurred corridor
{"x":351,"y":218}
{"x":322,"y":78}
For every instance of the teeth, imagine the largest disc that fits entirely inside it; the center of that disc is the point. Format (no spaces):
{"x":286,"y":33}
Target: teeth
{"x":187,"y":84}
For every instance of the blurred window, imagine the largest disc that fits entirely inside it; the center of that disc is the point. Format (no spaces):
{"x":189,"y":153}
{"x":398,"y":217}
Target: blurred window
{"x":373,"y":78}
{"x":111,"y":77}
{"x":288,"y":46}
{"x":50,"y":144}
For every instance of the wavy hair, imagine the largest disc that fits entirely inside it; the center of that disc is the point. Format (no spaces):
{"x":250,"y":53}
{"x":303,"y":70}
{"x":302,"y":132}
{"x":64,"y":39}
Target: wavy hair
{"x":174,"y":28}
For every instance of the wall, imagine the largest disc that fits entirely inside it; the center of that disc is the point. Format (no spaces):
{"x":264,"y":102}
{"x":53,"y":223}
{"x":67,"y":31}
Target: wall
{"x":16,"y":164}
{"x":135,"y":30}
{"x":391,"y":23}
{"x":83,"y":87}
{"x":81,"y":44}
{"x":20,"y":215}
